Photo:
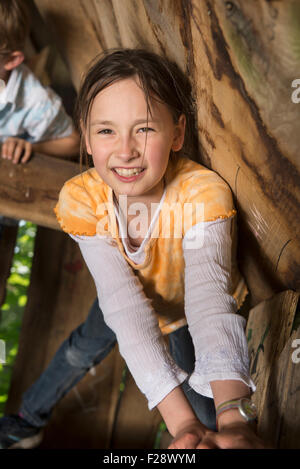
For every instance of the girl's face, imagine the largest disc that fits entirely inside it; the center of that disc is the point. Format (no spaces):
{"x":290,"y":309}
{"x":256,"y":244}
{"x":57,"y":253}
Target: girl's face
{"x":116,"y":135}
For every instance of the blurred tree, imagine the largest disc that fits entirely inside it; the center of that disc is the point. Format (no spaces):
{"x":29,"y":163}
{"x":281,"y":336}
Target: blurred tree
{"x":16,"y":298}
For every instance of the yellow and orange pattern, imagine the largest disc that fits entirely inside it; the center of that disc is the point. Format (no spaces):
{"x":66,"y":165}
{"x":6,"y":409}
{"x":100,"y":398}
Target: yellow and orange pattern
{"x":85,"y":208}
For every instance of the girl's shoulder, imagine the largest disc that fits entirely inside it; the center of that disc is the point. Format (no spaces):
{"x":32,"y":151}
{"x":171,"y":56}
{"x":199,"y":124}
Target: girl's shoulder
{"x":195,"y":184}
{"x":78,"y":201}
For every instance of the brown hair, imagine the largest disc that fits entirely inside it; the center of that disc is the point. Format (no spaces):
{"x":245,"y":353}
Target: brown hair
{"x":14,"y":25}
{"x":159,"y":77}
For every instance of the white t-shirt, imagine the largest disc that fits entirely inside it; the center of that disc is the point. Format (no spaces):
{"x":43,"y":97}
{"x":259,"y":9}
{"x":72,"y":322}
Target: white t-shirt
{"x":31,"y":111}
{"x":217,"y":331}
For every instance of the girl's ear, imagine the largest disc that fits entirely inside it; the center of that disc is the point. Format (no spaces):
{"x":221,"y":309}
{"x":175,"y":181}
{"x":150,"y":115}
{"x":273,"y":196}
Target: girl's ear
{"x":179,"y":133}
{"x":15,"y":59}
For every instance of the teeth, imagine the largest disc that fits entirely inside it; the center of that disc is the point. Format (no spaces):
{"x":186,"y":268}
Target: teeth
{"x":128,"y":172}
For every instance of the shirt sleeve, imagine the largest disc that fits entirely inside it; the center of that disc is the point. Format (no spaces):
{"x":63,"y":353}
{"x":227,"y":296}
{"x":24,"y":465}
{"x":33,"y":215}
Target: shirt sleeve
{"x":129,"y":313}
{"x":47,"y":118}
{"x":218,"y":335}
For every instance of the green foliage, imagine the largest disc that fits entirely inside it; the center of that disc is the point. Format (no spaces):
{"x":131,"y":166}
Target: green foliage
{"x":16,"y":298}
{"x":161,"y":429}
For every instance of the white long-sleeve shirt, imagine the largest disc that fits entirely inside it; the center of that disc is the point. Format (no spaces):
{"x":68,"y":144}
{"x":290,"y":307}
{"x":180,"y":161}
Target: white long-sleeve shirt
{"x":217,"y":331}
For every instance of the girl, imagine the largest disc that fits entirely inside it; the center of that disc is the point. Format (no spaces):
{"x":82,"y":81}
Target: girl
{"x":133,"y":115}
{"x":168,"y":272}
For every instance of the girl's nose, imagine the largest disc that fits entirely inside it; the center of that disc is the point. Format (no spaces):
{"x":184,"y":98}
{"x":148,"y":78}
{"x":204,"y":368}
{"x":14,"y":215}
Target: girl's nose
{"x":127,"y":148}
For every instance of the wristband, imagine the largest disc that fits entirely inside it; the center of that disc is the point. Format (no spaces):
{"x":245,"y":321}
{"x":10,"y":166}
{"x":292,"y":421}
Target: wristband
{"x":245,"y":406}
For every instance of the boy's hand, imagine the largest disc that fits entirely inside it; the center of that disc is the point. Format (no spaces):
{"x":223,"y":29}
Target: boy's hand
{"x":15,"y":149}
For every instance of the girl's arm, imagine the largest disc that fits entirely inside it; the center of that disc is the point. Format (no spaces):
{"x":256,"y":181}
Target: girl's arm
{"x":129,"y":313}
{"x":181,"y":421}
{"x":218,"y":332}
{"x":222,"y":365}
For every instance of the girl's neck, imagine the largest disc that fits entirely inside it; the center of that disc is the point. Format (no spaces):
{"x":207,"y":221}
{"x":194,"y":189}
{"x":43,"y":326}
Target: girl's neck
{"x":146,"y":199}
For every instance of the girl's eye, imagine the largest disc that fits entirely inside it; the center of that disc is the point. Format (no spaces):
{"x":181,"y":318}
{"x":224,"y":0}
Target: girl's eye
{"x":145,"y":129}
{"x":105,"y":132}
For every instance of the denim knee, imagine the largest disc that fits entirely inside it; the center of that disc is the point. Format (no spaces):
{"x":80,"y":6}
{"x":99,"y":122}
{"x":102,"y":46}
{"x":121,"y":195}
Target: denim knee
{"x":77,"y":359}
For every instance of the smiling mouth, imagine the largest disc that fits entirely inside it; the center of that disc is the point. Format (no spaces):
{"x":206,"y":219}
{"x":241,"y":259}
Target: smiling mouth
{"x":128,"y":172}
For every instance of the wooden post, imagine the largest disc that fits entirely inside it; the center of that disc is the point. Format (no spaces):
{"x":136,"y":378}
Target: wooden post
{"x":8,"y":236}
{"x":273,"y":371}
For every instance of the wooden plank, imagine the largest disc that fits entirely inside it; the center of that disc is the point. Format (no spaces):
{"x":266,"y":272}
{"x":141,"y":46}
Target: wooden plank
{"x":8,"y":236}
{"x":60,"y":295}
{"x":156,"y":25}
{"x":230,"y":51}
{"x":30,"y":191}
{"x":68,"y":28}
{"x":268,"y":330}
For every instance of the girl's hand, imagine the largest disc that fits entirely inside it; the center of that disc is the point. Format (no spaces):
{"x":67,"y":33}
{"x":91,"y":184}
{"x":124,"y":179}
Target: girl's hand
{"x":236,"y":435}
{"x":189,"y":436}
{"x":14,"y":148}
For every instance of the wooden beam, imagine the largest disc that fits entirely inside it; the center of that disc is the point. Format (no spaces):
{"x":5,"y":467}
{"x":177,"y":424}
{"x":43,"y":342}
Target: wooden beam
{"x":30,"y":191}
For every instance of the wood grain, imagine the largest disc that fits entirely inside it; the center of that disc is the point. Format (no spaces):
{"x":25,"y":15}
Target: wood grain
{"x":30,"y":191}
{"x":268,"y":332}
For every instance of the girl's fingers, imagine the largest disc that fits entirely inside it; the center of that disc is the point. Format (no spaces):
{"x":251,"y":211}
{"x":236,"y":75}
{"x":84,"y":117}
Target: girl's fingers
{"x":238,"y":441}
{"x":208,"y":441}
{"x":187,"y":441}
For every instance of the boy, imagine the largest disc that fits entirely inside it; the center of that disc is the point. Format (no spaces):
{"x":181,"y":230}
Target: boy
{"x":32,"y":117}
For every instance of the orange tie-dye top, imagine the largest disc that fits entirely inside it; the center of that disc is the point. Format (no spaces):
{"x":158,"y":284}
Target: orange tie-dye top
{"x":86,"y":208}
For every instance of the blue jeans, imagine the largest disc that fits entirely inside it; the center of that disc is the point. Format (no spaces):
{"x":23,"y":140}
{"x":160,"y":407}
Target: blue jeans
{"x":87,"y":346}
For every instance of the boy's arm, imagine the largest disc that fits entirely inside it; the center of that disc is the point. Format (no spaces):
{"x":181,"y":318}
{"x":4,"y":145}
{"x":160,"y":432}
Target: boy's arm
{"x":19,"y":150}
{"x":66,"y":146}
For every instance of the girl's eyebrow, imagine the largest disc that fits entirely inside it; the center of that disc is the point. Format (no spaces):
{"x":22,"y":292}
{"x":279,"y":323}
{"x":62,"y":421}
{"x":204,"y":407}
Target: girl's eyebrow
{"x":137,"y":122}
